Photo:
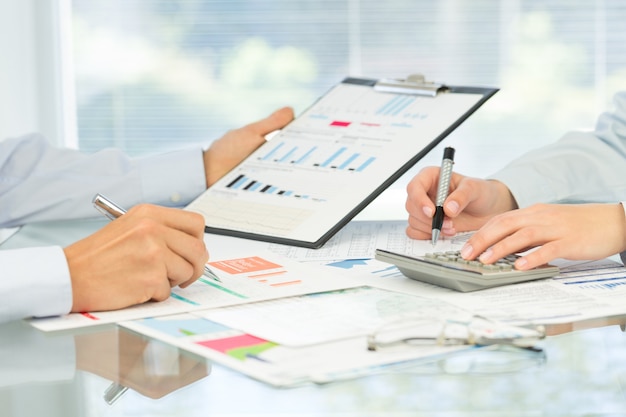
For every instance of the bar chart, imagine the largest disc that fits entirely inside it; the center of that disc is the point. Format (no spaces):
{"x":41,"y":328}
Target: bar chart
{"x":379,"y":108}
{"x":245,"y":182}
{"x":333,"y":156}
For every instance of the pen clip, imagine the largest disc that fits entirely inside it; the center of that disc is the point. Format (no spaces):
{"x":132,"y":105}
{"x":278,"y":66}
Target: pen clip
{"x":414,"y":84}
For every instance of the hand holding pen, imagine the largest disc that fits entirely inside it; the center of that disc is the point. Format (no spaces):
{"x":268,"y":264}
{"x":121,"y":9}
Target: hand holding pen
{"x":113,"y":211}
{"x":138,"y":257}
{"x":469,"y":202}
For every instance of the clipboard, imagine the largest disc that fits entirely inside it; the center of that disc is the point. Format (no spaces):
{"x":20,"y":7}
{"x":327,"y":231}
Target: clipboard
{"x":311,"y":178}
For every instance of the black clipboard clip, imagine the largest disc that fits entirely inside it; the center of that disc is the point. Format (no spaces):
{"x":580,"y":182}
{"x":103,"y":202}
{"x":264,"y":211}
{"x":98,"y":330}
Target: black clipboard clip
{"x":413,"y":84}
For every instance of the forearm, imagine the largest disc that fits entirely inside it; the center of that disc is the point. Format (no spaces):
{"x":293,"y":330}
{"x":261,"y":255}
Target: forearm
{"x":581,"y":167}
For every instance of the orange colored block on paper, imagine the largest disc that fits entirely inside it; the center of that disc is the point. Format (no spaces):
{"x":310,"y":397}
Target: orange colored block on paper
{"x":244,"y":265}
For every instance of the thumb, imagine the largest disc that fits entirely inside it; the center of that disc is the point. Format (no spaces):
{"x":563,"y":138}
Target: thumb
{"x":451,"y":207}
{"x":457,"y":200}
{"x":277,"y":120}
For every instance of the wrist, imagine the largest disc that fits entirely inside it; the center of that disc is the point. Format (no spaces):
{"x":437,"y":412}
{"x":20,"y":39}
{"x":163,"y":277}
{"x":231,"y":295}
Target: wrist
{"x":503,"y":196}
{"x":206,"y":155}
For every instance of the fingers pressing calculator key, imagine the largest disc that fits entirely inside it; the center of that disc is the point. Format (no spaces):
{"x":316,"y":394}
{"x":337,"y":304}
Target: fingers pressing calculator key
{"x":450,"y":270}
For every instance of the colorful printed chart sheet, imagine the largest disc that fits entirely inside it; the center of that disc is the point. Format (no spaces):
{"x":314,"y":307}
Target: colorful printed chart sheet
{"x":244,"y":279}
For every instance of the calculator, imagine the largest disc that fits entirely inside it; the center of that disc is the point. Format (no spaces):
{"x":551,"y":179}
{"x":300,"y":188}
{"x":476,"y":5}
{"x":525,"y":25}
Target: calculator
{"x":450,"y":270}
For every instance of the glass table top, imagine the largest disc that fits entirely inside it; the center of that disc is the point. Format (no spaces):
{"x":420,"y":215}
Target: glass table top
{"x":580,"y":372}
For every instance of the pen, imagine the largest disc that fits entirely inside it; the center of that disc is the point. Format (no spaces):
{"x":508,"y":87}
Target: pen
{"x":114,"y":392}
{"x":113,"y":211}
{"x":445,"y":174}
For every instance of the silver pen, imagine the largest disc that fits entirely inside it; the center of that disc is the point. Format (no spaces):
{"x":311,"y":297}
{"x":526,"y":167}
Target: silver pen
{"x":114,"y":392}
{"x":113,"y":211}
{"x":443,"y":188}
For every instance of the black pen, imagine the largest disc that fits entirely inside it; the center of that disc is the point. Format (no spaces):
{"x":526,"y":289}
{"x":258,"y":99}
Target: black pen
{"x":445,"y":174}
{"x":113,"y":211}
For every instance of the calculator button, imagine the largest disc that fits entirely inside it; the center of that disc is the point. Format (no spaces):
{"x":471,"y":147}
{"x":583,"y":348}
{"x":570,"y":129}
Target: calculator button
{"x":502,"y":264}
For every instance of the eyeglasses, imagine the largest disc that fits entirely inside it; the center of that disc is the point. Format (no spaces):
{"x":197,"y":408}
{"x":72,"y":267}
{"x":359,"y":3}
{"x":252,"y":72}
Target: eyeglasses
{"x":471,"y":330}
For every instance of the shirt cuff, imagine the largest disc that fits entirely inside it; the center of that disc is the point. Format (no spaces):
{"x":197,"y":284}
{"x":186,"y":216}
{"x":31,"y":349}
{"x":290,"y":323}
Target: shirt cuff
{"x":35,"y":283}
{"x":172,"y":178}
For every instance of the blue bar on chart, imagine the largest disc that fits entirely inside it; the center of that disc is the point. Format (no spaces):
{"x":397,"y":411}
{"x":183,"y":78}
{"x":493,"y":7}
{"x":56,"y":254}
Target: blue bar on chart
{"x":348,"y":161}
{"x":333,"y":157}
{"x":305,"y":156}
{"x":272,"y":152}
{"x":385,"y":108}
{"x":288,"y":154}
{"x":365,"y":164}
{"x":394,"y":106}
{"x":408,"y":100}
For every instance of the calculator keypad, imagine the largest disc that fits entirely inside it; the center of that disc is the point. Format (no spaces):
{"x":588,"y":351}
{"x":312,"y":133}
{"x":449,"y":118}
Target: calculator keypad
{"x":455,"y":260}
{"x":450,"y":270}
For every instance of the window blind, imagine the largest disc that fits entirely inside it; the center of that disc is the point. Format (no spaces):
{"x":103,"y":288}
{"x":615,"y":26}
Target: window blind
{"x":153,"y":75}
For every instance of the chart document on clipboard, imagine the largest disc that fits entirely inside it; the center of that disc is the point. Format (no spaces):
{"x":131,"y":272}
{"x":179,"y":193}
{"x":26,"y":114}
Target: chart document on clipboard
{"x":318,"y":172}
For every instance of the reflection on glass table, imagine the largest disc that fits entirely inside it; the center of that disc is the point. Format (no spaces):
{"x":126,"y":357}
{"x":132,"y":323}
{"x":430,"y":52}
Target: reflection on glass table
{"x":149,"y":367}
{"x":66,"y":374}
{"x":487,"y":360}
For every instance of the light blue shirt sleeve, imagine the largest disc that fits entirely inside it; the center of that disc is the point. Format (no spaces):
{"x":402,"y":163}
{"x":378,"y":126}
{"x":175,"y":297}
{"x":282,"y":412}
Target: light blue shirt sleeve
{"x":580,"y":167}
{"x":39,"y":182}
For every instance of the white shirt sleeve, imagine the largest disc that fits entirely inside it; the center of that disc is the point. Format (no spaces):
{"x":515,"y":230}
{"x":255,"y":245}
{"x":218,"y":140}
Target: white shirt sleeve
{"x":39,"y":182}
{"x":580,"y":167}
{"x":35,"y":282}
